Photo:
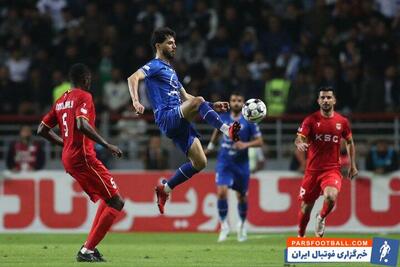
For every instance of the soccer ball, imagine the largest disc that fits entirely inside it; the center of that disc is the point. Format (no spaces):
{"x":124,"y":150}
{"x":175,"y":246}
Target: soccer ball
{"x":254,"y":110}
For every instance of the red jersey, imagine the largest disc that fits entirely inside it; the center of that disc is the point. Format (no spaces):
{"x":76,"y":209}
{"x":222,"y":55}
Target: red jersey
{"x":324,"y":136}
{"x":73,"y":104}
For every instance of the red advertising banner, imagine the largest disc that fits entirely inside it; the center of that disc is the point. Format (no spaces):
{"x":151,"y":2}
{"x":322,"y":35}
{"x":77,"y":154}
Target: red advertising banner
{"x":51,"y":201}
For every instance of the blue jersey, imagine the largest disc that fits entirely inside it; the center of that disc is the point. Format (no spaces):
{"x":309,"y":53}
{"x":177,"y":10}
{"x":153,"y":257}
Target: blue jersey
{"x":163,"y":86}
{"x":248,"y":131}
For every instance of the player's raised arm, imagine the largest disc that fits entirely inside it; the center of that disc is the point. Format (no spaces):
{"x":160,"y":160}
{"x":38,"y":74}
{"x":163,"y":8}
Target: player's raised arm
{"x":83,"y":126}
{"x":46,"y":132}
{"x":133,"y":85}
{"x":351,"y":151}
{"x":301,"y":142}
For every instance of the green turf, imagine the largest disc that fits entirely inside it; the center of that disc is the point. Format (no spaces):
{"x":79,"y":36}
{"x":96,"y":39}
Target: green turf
{"x":152,"y":249}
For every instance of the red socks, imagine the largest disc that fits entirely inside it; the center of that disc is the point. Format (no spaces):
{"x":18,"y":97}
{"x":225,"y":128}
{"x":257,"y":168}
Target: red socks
{"x":100,"y":209}
{"x":302,"y":221}
{"x":326,"y":208}
{"x":106,"y":217}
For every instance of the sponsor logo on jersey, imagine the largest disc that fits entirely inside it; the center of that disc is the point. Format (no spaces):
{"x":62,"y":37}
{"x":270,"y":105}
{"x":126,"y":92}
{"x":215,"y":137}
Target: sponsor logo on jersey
{"x":327,"y":138}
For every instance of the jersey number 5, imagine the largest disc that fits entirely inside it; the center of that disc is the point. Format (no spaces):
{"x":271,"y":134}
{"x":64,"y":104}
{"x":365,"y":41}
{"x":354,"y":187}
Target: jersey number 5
{"x":64,"y":120}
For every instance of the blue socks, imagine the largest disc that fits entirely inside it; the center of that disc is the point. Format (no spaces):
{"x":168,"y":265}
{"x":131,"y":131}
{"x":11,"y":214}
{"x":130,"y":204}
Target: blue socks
{"x":182,"y":174}
{"x":209,"y":115}
{"x":222,"y":205}
{"x":242,"y":208}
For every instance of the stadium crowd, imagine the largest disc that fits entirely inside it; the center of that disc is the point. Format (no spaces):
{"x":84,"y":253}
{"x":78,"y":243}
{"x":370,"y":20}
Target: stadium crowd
{"x":280,"y":51}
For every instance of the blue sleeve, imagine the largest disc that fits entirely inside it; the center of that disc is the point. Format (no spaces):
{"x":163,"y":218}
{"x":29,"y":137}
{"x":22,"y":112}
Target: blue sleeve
{"x":150,"y":69}
{"x":254,"y":130}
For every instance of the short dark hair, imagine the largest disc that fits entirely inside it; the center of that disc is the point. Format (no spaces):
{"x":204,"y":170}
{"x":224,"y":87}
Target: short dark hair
{"x":327,"y":89}
{"x":238,"y":93}
{"x":78,"y":73}
{"x":159,"y":35}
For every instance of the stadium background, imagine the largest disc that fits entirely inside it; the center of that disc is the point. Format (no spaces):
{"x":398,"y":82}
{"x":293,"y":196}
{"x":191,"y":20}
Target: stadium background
{"x":278,"y":51}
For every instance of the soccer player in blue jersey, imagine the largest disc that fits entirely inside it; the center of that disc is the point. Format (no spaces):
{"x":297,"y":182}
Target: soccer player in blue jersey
{"x":233,"y":170}
{"x":174,"y":109}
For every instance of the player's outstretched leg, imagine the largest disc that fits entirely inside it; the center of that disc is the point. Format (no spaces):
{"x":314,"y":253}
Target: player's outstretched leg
{"x":330,"y":195}
{"x":304,"y":217}
{"x":198,"y":161}
{"x":198,"y":105}
{"x":105,"y":221}
{"x":222,"y":205}
{"x":242,"y":209}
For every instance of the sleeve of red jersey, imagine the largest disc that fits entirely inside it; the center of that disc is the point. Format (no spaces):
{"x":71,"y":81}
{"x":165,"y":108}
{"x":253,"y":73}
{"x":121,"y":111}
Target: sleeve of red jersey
{"x":83,"y":107}
{"x":305,"y":128}
{"x":346,"y":134}
{"x":50,"y":119}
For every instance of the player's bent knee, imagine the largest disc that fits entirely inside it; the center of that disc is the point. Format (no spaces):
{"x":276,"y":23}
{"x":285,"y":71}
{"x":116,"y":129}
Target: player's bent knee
{"x":197,"y":101}
{"x":116,"y":202}
{"x":331,"y":197}
{"x":200,"y":164}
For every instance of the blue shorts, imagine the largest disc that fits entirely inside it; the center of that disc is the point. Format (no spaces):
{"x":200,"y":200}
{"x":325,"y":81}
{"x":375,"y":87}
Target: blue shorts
{"x":174,"y":126}
{"x":234,"y":176}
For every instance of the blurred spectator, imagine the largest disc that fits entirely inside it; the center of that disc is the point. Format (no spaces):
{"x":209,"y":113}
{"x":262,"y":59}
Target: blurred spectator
{"x":155,"y":156}
{"x":194,"y":49}
{"x":25,"y":154}
{"x":249,"y":43}
{"x":392,"y":89}
{"x":301,"y":97}
{"x":130,"y":128}
{"x":178,"y":19}
{"x":218,"y":46}
{"x":382,"y":158}
{"x":205,"y":19}
{"x":348,"y":94}
{"x":274,"y":38}
{"x":60,"y":85}
{"x":115,"y":92}
{"x":289,"y":61}
{"x":8,"y":96}
{"x":18,"y":65}
{"x":372,"y":96}
{"x":53,"y":9}
{"x":151,"y":17}
{"x":258,"y":66}
{"x":276,"y":93}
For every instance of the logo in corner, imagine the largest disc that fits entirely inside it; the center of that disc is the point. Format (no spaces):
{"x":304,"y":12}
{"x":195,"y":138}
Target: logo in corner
{"x":385,"y":251}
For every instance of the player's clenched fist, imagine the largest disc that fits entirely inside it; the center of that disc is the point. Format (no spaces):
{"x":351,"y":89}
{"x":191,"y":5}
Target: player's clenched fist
{"x":114,"y":150}
{"x":221,"y":106}
{"x":139,"y":108}
{"x":301,"y":145}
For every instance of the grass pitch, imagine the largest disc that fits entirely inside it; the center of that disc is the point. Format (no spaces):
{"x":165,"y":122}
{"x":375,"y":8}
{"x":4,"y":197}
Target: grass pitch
{"x":153,"y":249}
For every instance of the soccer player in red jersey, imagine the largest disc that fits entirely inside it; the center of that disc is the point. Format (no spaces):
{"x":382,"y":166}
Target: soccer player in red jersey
{"x":320,"y":135}
{"x":75,"y":114}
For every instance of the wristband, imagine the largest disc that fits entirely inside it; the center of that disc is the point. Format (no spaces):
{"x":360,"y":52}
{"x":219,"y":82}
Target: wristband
{"x":210,"y":146}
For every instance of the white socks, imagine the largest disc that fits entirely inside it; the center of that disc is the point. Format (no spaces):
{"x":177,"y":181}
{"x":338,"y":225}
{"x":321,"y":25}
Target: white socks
{"x":86,"y":251}
{"x":167,"y":189}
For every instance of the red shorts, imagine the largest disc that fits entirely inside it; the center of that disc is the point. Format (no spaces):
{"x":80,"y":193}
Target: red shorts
{"x":94,"y":178}
{"x":314,"y":183}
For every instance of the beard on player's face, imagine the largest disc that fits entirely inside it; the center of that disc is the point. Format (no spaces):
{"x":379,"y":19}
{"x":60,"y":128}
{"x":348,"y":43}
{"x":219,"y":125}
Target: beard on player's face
{"x":168,"y":54}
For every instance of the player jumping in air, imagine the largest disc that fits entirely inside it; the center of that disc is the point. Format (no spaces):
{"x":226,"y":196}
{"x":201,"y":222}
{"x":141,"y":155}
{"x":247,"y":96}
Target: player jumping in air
{"x":174,"y":109}
{"x":320,"y":135}
{"x":75,"y":114}
{"x":232,"y":170}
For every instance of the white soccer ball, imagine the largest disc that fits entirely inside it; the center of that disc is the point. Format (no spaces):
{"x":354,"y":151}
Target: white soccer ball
{"x":254,"y":110}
